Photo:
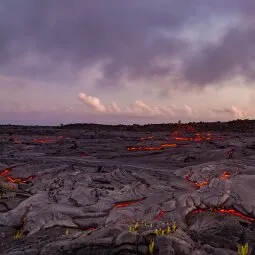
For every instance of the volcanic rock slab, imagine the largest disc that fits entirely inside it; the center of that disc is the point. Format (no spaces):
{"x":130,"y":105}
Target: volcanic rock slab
{"x":67,"y":191}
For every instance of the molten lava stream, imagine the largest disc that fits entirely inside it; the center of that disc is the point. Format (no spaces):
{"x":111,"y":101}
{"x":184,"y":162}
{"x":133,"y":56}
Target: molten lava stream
{"x":127,"y":203}
{"x":146,"y":138}
{"x":152,"y":148}
{"x":224,"y":176}
{"x":5,"y":173}
{"x":144,"y":148}
{"x":223,"y":211}
{"x":42,"y":141}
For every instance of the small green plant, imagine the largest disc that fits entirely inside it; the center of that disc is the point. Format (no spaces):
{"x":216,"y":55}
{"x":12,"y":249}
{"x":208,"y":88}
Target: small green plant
{"x":70,"y":231}
{"x":244,"y":249}
{"x":151,"y":246}
{"x":19,"y":234}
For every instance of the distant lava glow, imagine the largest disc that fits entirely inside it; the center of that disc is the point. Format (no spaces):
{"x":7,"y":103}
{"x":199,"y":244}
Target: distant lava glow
{"x":223,"y":211}
{"x":144,"y":148}
{"x":127,"y":203}
{"x":146,"y":138}
{"x":188,"y":133}
{"x":42,"y":141}
{"x":46,"y":140}
{"x":152,"y":148}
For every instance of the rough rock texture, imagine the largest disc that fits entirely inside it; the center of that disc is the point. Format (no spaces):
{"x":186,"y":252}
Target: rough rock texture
{"x":67,"y":191}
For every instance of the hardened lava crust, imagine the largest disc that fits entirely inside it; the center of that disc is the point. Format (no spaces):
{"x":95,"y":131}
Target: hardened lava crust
{"x":183,"y":189}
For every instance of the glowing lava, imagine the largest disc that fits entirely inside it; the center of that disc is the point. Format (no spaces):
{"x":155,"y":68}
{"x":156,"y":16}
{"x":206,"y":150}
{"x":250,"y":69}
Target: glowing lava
{"x":160,"y":215}
{"x":188,"y":133}
{"x":224,"y":211}
{"x":46,"y":140}
{"x":144,"y":148}
{"x":224,"y":176}
{"x":42,"y":141}
{"x":127,"y":203}
{"x":147,"y":138}
{"x":5,"y":173}
{"x":152,"y":148}
{"x":197,"y":184}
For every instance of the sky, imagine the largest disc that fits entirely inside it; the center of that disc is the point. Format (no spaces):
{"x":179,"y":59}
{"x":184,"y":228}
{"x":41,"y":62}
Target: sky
{"x":125,"y":62}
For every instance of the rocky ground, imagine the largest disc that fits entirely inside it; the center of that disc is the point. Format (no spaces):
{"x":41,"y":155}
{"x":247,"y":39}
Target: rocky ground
{"x":68,"y":191}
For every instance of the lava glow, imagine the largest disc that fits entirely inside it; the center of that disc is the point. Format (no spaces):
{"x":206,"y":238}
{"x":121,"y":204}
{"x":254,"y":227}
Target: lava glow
{"x":152,"y":148}
{"x":188,"y":133}
{"x":224,"y":211}
{"x":197,"y":184}
{"x":5,"y":173}
{"x":127,"y":203}
{"x":144,"y":148}
{"x":46,"y":140}
{"x":224,"y":176}
{"x":160,"y":215}
{"x":42,"y":141}
{"x":147,"y":138}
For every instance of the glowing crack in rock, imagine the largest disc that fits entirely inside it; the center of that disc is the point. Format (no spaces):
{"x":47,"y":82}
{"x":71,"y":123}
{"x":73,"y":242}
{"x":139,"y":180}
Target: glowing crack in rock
{"x":224,"y":176}
{"x":152,"y":148}
{"x":188,"y":133}
{"x":7,"y":176}
{"x":223,"y":211}
{"x":127,"y":203}
{"x":160,"y":215}
{"x":144,"y":148}
{"x":46,"y":140}
{"x":147,"y":138}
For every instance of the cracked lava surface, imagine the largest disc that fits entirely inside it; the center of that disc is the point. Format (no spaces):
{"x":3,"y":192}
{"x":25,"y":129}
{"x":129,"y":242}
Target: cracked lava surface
{"x":100,"y":188}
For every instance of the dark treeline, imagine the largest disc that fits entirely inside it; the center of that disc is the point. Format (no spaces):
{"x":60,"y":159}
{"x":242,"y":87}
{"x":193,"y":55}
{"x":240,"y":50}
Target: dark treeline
{"x":218,"y":126}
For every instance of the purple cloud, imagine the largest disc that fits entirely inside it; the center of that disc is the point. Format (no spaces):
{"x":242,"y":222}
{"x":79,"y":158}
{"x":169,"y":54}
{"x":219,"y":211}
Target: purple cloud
{"x":55,"y":39}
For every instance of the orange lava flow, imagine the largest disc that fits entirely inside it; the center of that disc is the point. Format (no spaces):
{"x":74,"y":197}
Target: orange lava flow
{"x":144,"y":148}
{"x":224,"y":211}
{"x":146,"y":138}
{"x":42,"y":141}
{"x":127,"y":203}
{"x":151,"y":148}
{"x":5,"y":173}
{"x":197,"y":137}
{"x":189,"y":130}
{"x":46,"y":140}
{"x":197,"y":184}
{"x":224,"y":176}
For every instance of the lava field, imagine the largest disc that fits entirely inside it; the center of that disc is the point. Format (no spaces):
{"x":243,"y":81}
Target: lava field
{"x":107,"y":191}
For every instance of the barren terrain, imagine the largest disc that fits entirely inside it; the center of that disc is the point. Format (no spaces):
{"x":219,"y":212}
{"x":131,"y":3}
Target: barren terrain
{"x":183,"y":191}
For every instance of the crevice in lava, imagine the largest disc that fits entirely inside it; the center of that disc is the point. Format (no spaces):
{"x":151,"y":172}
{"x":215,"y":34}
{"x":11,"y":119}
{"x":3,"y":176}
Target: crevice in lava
{"x":229,"y":212}
{"x":9,"y":178}
{"x":224,"y":176}
{"x":152,"y":148}
{"x":160,"y":215}
{"x":127,"y":203}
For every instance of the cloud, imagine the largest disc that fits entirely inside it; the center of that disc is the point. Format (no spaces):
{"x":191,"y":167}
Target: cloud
{"x":56,"y":39}
{"x":92,"y":102}
{"x":138,"y":108}
{"x":233,"y":111}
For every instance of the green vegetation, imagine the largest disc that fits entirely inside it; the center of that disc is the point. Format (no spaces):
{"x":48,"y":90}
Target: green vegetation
{"x":244,"y":249}
{"x":19,"y":234}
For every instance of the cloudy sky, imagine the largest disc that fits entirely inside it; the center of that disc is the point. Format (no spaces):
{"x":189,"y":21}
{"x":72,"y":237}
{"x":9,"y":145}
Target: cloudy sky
{"x":134,"y":61}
